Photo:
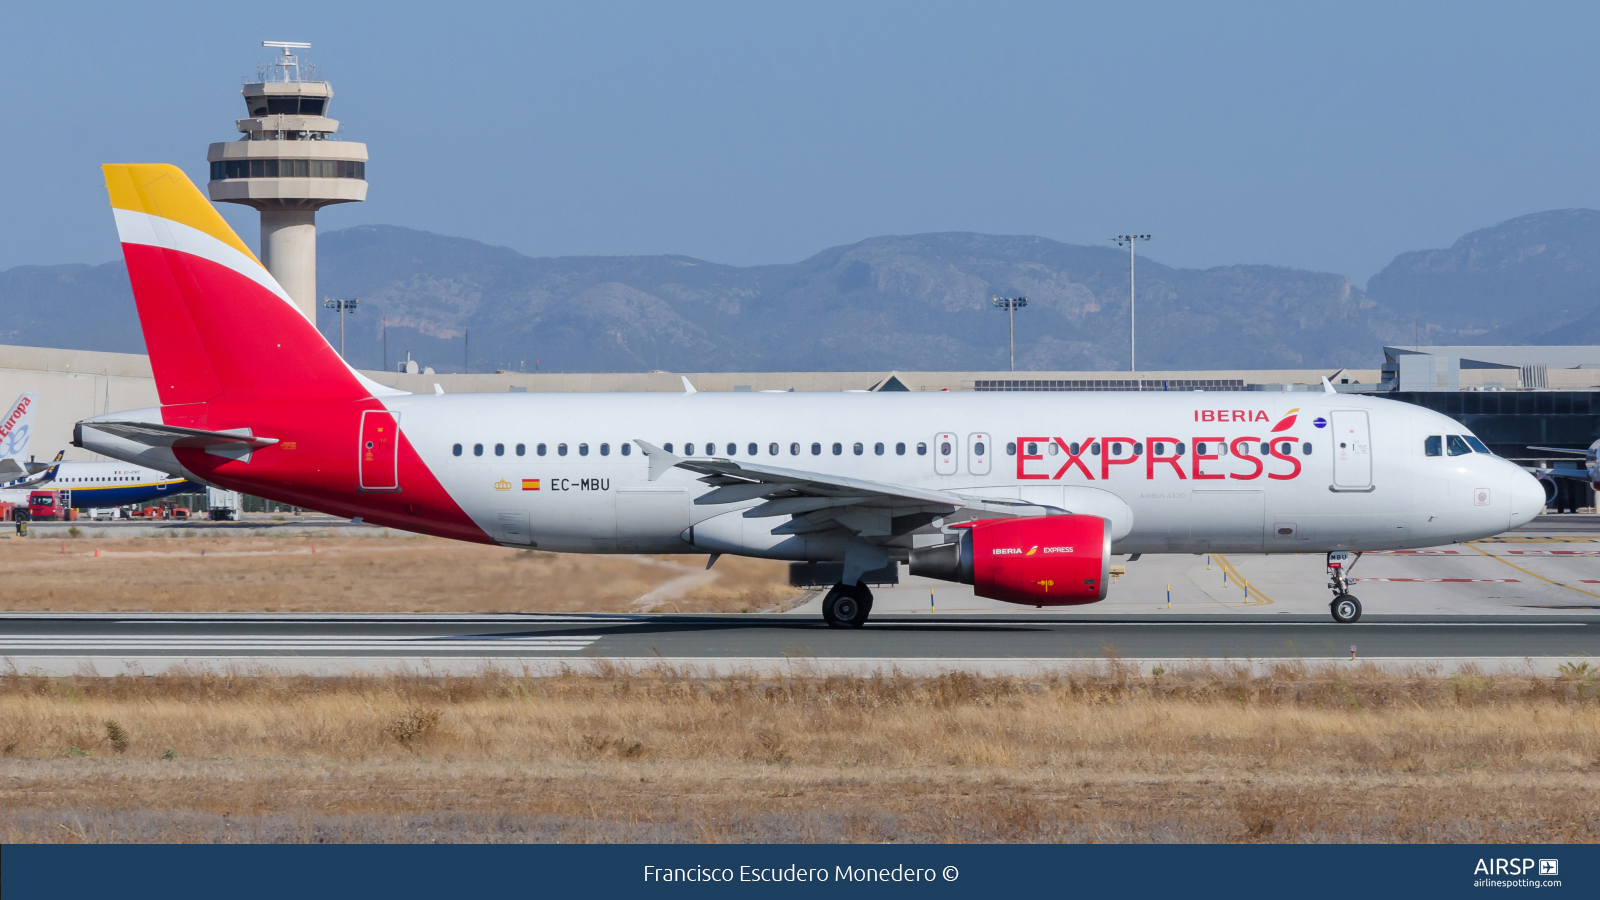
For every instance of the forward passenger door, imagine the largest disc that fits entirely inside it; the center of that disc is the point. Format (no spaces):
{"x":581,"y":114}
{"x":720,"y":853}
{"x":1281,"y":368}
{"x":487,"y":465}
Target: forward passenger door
{"x":1352,"y":450}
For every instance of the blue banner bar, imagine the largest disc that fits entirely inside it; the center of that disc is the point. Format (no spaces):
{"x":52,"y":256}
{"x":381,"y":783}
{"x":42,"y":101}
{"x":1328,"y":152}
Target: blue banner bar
{"x":239,"y":872}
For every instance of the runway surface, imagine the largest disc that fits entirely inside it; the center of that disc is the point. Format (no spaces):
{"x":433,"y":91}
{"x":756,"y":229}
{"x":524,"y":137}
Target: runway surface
{"x":1525,"y":600}
{"x":152,"y":642}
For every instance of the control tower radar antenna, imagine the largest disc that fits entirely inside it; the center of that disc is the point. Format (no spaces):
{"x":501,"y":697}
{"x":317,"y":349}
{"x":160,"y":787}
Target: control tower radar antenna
{"x":288,"y":162}
{"x":287,"y":60}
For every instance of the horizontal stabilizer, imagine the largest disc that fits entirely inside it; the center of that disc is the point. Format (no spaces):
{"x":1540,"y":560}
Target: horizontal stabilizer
{"x":235,"y":443}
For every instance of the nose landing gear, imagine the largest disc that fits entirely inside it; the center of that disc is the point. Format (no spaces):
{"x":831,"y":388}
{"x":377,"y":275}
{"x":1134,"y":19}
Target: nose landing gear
{"x":847,"y":606}
{"x":1345,"y":607}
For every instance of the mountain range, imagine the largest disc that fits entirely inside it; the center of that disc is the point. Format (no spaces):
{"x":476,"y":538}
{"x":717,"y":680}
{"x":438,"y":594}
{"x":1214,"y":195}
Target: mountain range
{"x":912,"y":302}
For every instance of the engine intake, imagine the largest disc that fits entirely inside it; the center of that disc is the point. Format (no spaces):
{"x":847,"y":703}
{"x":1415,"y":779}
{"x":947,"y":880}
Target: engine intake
{"x":1044,"y":561}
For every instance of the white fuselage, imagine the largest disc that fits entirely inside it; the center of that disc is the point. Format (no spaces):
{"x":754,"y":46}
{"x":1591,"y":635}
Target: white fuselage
{"x":1378,"y":491}
{"x":101,"y":484}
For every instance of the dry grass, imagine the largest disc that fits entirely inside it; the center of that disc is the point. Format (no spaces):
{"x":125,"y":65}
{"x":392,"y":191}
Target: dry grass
{"x":360,"y":574}
{"x":1208,"y":755}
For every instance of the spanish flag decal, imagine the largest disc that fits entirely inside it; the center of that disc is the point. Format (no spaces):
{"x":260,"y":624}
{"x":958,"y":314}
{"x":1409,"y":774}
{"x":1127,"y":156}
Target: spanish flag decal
{"x":530,"y":484}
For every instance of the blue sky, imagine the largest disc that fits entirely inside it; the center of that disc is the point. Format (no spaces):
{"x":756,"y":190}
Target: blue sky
{"x":1323,"y":136}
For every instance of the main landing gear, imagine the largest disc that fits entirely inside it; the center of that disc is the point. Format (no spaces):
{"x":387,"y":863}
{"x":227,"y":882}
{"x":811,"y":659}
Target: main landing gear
{"x":1345,"y":607}
{"x":847,"y":606}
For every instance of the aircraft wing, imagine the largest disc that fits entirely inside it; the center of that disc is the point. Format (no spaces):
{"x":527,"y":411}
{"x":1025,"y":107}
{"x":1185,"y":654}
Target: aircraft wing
{"x":819,"y":502}
{"x":42,"y":476}
{"x":1559,"y":472}
{"x":1558,"y":450}
{"x":10,"y":470}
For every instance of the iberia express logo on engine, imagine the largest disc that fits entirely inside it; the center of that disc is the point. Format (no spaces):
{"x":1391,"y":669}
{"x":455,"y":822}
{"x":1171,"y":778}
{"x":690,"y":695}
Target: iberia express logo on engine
{"x":1203,"y":457}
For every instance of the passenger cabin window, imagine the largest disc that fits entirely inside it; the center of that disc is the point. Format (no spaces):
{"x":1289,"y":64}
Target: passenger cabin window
{"x":1457,"y":446}
{"x":1433,"y":445}
{"x":522,"y":449}
{"x":838,"y":448}
{"x":605,"y":449}
{"x":1051,"y":448}
{"x":539,"y":449}
{"x":1011,"y":448}
{"x":753,"y":449}
{"x":816,"y":449}
{"x":733,"y":449}
{"x":688,"y":449}
{"x":794,"y":449}
{"x":477,"y":449}
{"x":900,"y":449}
{"x":455,"y":450}
{"x":1094,"y":448}
{"x":858,"y":448}
{"x":627,"y":449}
{"x":978,"y":449}
{"x":561,"y":449}
{"x":944,"y":448}
{"x":1305,"y":448}
{"x":922,"y":449}
{"x":583,"y":449}
{"x":499,"y":449}
{"x":668,"y":447}
{"x":878,"y":448}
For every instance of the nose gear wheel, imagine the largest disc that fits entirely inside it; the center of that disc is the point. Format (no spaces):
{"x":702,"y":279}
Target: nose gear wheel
{"x":1346,"y":609}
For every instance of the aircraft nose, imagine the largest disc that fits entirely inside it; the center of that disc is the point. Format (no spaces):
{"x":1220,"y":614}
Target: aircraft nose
{"x":1527,"y":498}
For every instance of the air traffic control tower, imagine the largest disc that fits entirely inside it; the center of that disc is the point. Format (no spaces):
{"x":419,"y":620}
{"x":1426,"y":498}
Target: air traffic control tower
{"x":288,"y":164}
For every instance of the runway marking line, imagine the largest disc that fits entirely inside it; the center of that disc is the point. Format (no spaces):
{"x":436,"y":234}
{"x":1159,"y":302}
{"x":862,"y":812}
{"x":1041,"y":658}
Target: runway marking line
{"x":1233,"y":571}
{"x":1504,"y":561}
{"x":1516,"y":539}
{"x":1446,"y":580}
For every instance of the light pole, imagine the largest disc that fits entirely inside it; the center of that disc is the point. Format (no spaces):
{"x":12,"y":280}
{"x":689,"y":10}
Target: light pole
{"x":345,"y":306}
{"x":1129,"y":239}
{"x":1011,"y":305}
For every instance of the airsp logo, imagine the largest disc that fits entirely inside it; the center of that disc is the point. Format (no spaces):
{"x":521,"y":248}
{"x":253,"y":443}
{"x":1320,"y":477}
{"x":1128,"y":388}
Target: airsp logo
{"x":1514,"y":867}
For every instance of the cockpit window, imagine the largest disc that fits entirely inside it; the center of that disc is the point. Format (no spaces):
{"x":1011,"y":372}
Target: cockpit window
{"x":1458,"y":447}
{"x":1433,"y":445}
{"x":1476,"y":444}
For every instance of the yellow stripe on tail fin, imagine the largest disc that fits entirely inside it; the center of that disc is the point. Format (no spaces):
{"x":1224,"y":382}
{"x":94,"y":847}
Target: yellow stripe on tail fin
{"x":163,"y":190}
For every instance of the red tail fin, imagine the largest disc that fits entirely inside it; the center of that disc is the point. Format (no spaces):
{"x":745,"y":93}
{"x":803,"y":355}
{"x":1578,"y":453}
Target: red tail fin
{"x":216,"y":323}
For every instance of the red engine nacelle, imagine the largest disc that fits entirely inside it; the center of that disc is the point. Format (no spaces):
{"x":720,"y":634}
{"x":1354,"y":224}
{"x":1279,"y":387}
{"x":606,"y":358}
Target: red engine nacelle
{"x":1045,"y":561}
